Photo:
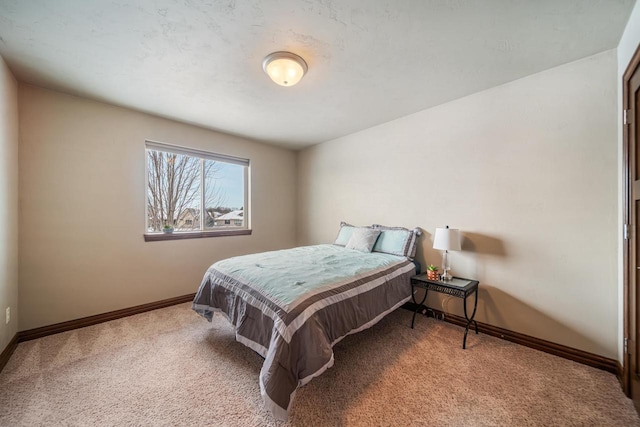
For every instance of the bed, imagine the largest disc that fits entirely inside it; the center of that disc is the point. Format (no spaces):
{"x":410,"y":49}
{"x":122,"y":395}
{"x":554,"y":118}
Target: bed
{"x":292,"y":306}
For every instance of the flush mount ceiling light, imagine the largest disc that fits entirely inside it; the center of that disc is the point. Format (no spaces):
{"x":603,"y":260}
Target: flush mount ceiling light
{"x":284,"y":68}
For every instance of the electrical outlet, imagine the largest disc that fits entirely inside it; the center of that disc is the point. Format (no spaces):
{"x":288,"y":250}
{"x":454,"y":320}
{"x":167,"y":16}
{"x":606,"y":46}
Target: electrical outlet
{"x":8,"y":315}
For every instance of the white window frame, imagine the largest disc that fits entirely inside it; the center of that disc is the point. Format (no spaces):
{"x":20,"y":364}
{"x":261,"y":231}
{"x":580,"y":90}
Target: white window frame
{"x":203,"y":155}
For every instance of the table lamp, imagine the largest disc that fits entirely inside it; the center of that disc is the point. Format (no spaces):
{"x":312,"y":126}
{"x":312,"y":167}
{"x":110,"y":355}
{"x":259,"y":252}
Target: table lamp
{"x":446,"y":239}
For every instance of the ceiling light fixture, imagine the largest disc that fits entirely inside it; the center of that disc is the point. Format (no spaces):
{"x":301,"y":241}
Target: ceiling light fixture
{"x":284,"y":68}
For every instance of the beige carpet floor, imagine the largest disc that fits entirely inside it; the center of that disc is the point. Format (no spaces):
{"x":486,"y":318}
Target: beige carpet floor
{"x":171,"y":367}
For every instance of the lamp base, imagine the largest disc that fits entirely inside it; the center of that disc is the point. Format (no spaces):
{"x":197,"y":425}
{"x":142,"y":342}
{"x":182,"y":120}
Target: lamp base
{"x":446,"y":276}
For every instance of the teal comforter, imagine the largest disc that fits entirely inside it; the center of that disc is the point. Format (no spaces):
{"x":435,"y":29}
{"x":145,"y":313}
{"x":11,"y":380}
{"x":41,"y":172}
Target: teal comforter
{"x":286,"y":276}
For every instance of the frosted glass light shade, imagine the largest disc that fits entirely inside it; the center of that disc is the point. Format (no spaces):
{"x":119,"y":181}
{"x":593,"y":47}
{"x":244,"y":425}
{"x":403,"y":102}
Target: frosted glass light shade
{"x":447,"y":239}
{"x":284,"y":68}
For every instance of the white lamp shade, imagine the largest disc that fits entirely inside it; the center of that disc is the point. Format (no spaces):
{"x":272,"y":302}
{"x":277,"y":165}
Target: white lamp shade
{"x":284,"y":68}
{"x":447,"y":239}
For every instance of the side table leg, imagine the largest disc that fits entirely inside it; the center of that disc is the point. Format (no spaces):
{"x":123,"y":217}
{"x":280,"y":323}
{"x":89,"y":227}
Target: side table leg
{"x":470,"y":319}
{"x":466,"y":329}
{"x":473,"y":315}
{"x":413,"y":296}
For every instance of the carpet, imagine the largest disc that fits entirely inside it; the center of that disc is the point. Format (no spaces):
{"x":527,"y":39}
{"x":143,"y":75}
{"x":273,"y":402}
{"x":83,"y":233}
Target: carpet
{"x":171,"y":367}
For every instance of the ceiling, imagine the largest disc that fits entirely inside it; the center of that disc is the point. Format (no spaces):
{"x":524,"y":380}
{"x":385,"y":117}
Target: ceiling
{"x":370,"y":61}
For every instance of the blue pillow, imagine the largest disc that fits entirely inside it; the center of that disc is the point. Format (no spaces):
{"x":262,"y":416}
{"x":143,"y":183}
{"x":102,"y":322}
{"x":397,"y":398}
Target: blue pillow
{"x":392,"y":242}
{"x":346,"y":230}
{"x":396,"y":241}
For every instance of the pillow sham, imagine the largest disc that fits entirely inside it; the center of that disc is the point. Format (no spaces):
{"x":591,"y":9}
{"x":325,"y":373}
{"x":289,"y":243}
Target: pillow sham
{"x":397,"y":240}
{"x":344,"y":234}
{"x":362,"y":239}
{"x":346,"y":230}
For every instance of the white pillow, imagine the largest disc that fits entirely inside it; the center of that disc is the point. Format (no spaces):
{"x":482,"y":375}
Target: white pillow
{"x":363,"y":239}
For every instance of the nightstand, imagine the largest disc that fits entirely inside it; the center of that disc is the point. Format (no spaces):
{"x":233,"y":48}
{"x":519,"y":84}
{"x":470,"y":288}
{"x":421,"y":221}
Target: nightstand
{"x":456,"y":287}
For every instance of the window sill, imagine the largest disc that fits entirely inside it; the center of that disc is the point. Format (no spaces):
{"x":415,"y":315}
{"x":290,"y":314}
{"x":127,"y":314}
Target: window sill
{"x":180,"y":235}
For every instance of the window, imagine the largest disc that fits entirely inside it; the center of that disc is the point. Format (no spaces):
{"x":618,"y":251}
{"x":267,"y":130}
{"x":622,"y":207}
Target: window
{"x":197,"y":193}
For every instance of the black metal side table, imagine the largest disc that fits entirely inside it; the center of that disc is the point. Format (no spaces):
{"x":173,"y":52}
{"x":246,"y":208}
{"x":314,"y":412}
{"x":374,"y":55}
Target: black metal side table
{"x":456,"y":287}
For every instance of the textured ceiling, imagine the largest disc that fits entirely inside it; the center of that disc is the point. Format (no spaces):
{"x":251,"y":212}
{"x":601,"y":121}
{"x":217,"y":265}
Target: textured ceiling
{"x":370,"y":61}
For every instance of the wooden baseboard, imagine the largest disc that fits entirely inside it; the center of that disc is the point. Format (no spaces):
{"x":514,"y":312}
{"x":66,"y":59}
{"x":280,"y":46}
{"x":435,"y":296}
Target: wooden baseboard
{"x":32,"y":334}
{"x":8,"y":351}
{"x":580,"y":356}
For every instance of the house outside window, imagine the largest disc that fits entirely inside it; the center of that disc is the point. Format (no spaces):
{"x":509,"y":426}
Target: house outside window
{"x":196,"y":192}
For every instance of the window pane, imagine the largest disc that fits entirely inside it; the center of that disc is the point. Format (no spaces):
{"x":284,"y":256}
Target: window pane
{"x":224,"y":195}
{"x":173,"y":192}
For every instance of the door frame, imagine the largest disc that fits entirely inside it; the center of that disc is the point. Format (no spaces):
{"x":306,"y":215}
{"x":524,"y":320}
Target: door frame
{"x":625,"y":375}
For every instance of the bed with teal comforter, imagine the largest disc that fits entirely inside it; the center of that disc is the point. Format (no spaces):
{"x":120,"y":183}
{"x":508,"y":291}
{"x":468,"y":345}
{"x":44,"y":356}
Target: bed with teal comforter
{"x":292,"y":306}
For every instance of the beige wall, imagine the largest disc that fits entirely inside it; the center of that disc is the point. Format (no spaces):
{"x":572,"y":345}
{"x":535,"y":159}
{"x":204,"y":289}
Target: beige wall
{"x":82,"y":208}
{"x":628,"y":44}
{"x":526,"y":170}
{"x":8,"y":203}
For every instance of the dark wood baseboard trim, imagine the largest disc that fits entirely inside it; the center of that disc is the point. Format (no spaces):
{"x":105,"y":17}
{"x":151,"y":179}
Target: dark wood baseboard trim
{"x":8,"y":351}
{"x":580,"y":356}
{"x":57,"y":328}
{"x":43,"y":331}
